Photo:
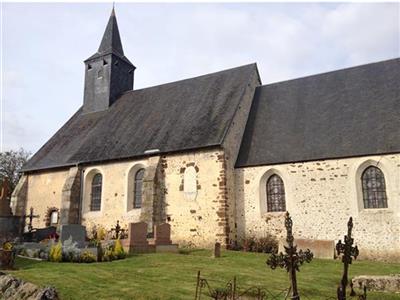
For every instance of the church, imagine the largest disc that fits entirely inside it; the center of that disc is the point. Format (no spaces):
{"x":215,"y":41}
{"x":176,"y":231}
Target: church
{"x":222,"y":157}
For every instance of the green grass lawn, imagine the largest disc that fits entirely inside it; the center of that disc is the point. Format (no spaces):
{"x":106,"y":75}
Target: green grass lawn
{"x":173,"y":276}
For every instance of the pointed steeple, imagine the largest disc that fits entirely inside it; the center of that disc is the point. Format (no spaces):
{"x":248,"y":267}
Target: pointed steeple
{"x":108,"y":72}
{"x":111,"y":42}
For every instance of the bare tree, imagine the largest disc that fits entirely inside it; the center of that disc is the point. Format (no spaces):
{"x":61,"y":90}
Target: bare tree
{"x":10,"y":164}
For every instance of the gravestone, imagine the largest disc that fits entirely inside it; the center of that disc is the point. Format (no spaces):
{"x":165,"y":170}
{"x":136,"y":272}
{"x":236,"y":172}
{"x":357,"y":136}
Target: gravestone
{"x":5,"y":209}
{"x":320,"y":248}
{"x":162,"y":234}
{"x":138,"y":234}
{"x":76,"y":231}
{"x":217,"y":250}
{"x":137,"y":239}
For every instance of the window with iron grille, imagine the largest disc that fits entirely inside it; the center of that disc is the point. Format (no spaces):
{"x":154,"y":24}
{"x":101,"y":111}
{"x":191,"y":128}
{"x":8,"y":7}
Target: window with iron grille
{"x":95,"y":197}
{"x":137,"y":199}
{"x":275,"y":194}
{"x":374,"y":188}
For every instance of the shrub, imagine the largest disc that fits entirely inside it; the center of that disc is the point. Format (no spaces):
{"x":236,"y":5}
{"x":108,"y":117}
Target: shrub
{"x":108,"y":255}
{"x":87,"y":257}
{"x":266,"y":244}
{"x":55,"y":254}
{"x":70,"y":251}
{"x":101,"y":233}
{"x":249,"y":244}
{"x":7,"y":246}
{"x":118,"y":252}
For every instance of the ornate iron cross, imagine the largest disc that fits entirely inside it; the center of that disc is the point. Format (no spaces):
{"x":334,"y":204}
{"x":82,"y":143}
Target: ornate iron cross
{"x":117,"y":229}
{"x":292,"y":260}
{"x":348,"y":252}
{"x":31,"y":216}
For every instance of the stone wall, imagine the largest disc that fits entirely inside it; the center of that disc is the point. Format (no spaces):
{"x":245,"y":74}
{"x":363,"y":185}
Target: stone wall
{"x":231,"y":147}
{"x":116,"y":194}
{"x":197,"y":218}
{"x":44,"y":191}
{"x":321,"y":196}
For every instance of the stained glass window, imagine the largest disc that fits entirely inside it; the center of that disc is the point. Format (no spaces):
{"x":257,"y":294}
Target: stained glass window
{"x":95,"y":199}
{"x":138,"y":186}
{"x":374,"y":188}
{"x":275,"y":194}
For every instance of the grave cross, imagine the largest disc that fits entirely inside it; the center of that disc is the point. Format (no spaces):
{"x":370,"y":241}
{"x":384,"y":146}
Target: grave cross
{"x":292,"y":260}
{"x":117,"y":229}
{"x":31,"y":216}
{"x":348,"y":252}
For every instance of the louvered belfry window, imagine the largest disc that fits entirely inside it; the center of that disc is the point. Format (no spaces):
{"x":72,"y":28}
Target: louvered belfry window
{"x":137,"y":199}
{"x":275,"y":194}
{"x":95,"y":200}
{"x":374,"y":188}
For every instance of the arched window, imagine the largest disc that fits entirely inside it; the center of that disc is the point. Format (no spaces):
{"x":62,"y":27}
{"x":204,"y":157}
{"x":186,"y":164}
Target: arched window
{"x":275,"y":194}
{"x":95,"y":197}
{"x":138,"y":186}
{"x":374,"y":188}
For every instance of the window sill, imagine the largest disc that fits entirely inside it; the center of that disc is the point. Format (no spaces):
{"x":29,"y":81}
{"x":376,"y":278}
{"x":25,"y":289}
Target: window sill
{"x":273,"y":214}
{"x":376,"y":211}
{"x":95,"y":213}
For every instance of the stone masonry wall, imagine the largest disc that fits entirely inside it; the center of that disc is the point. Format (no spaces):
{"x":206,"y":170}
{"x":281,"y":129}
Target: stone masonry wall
{"x":321,"y":196}
{"x":44,"y":191}
{"x":196,"y":220}
{"x":231,"y":149}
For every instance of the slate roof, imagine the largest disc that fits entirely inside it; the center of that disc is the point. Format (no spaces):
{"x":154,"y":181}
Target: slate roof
{"x":345,"y":113}
{"x":183,"y":115}
{"x":111,"y":41}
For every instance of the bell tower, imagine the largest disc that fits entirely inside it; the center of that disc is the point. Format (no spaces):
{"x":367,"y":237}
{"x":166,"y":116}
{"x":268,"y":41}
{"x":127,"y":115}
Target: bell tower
{"x":108,"y":73}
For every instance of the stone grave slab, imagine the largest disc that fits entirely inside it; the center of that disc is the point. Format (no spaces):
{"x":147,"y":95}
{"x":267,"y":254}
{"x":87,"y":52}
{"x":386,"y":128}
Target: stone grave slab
{"x":76,"y":231}
{"x":320,"y":248}
{"x":137,"y":239}
{"x":162,"y":234}
{"x":217,"y":250}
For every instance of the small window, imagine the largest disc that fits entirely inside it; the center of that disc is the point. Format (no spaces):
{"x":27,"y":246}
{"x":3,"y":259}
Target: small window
{"x":138,"y":186}
{"x":54,"y":217}
{"x":89,"y":67}
{"x":374,"y":188}
{"x":95,"y":199}
{"x":275,"y":194}
{"x":100,"y":73}
{"x":190,"y":183}
{"x":104,"y":62}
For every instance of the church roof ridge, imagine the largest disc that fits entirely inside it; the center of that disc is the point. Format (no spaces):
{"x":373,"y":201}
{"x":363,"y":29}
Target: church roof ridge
{"x":194,"y":78}
{"x":327,"y":73}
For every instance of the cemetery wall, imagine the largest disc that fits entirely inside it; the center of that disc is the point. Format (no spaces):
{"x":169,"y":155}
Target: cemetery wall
{"x":44,"y":192}
{"x":321,"y":196}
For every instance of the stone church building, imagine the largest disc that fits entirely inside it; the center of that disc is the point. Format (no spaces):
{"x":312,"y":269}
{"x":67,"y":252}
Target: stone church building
{"x":221,"y":157}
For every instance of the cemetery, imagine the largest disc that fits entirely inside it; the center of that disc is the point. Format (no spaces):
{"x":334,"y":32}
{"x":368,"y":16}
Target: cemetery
{"x":51,"y":263}
{"x":133,"y":263}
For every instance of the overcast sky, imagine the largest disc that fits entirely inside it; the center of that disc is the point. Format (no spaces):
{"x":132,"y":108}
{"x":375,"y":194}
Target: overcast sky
{"x":44,"y":46}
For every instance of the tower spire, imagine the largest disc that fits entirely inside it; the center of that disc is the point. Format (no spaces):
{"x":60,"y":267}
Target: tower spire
{"x":108,"y":72}
{"x":111,"y":41}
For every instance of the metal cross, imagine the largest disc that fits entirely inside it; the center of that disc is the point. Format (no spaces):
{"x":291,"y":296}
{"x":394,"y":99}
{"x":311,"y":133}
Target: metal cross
{"x":31,"y":216}
{"x":292,"y":260}
{"x":117,"y":229}
{"x":348,"y":252}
